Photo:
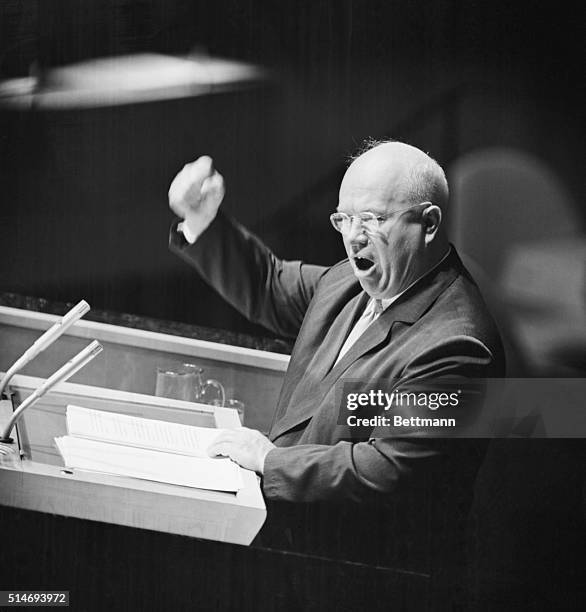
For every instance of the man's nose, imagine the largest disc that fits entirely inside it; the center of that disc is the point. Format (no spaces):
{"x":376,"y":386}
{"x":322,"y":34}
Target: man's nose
{"x":356,"y":235}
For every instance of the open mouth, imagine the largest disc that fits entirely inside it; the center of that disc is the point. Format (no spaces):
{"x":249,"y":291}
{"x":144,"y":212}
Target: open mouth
{"x":363,"y":263}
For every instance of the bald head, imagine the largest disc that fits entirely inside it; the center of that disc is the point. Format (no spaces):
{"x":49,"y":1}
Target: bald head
{"x":390,"y":180}
{"x":401,"y":173}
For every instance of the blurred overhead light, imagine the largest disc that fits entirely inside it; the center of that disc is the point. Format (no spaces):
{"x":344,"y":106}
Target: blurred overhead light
{"x":128,"y":79}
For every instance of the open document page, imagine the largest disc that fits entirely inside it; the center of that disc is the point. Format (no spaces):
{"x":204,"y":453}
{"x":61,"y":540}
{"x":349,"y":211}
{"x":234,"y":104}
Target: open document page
{"x":144,"y":448}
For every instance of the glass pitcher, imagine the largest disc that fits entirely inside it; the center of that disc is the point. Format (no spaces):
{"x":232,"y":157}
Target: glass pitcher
{"x":185,"y":382}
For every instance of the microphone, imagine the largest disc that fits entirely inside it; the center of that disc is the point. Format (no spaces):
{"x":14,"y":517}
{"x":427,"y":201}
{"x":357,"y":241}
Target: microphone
{"x":45,"y":340}
{"x":62,"y":374}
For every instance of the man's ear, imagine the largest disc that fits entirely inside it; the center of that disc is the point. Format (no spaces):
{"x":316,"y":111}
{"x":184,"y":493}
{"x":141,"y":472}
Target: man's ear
{"x":431,"y":219}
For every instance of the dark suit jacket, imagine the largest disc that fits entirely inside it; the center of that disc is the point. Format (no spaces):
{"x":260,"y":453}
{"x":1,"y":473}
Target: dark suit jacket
{"x":439,"y":328}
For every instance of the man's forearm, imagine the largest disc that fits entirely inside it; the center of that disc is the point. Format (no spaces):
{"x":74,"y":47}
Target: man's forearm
{"x":350,"y":472}
{"x":265,"y":289}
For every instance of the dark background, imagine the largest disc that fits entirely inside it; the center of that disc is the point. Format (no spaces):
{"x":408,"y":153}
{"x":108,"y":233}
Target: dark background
{"x":84,"y":209}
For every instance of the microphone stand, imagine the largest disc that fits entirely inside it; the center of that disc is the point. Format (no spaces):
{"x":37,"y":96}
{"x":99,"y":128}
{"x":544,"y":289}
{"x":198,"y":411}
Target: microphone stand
{"x":45,"y":341}
{"x":62,"y":374}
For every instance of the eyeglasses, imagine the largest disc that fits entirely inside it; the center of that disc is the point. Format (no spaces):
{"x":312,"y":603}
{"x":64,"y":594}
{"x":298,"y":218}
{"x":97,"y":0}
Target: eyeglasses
{"x":368,"y":220}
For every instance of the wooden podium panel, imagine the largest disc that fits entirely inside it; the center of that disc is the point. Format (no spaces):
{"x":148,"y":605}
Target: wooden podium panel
{"x":40,"y":482}
{"x":131,"y":356}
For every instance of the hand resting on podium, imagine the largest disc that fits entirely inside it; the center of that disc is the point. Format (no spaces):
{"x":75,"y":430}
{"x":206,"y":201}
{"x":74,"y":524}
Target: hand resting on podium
{"x":247,"y":447}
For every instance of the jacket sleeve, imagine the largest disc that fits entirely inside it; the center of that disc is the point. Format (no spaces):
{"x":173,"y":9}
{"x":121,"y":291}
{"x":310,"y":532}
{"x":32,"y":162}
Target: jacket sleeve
{"x":360,"y":471}
{"x":266,"y":290}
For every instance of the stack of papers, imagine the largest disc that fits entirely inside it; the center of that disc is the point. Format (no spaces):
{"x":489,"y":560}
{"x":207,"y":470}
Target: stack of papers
{"x":145,"y":448}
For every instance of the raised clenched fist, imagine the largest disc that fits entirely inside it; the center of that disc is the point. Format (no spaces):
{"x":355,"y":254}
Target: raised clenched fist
{"x":196,"y":194}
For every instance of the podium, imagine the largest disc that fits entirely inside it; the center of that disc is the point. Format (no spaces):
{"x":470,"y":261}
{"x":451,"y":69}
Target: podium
{"x":40,"y":482}
{"x":120,"y":381}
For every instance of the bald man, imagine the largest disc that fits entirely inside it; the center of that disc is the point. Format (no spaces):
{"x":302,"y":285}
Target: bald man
{"x":400,"y":308}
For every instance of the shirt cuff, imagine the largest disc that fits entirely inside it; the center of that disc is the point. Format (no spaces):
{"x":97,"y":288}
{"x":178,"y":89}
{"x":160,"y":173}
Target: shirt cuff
{"x":189,"y":236}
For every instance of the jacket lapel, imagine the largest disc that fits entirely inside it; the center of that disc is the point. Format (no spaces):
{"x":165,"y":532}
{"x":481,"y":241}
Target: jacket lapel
{"x":307,"y":393}
{"x":376,"y":333}
{"x":328,"y":352}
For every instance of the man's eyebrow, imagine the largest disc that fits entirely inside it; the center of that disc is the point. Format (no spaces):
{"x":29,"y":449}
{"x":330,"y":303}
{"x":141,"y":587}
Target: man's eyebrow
{"x":377,"y":212}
